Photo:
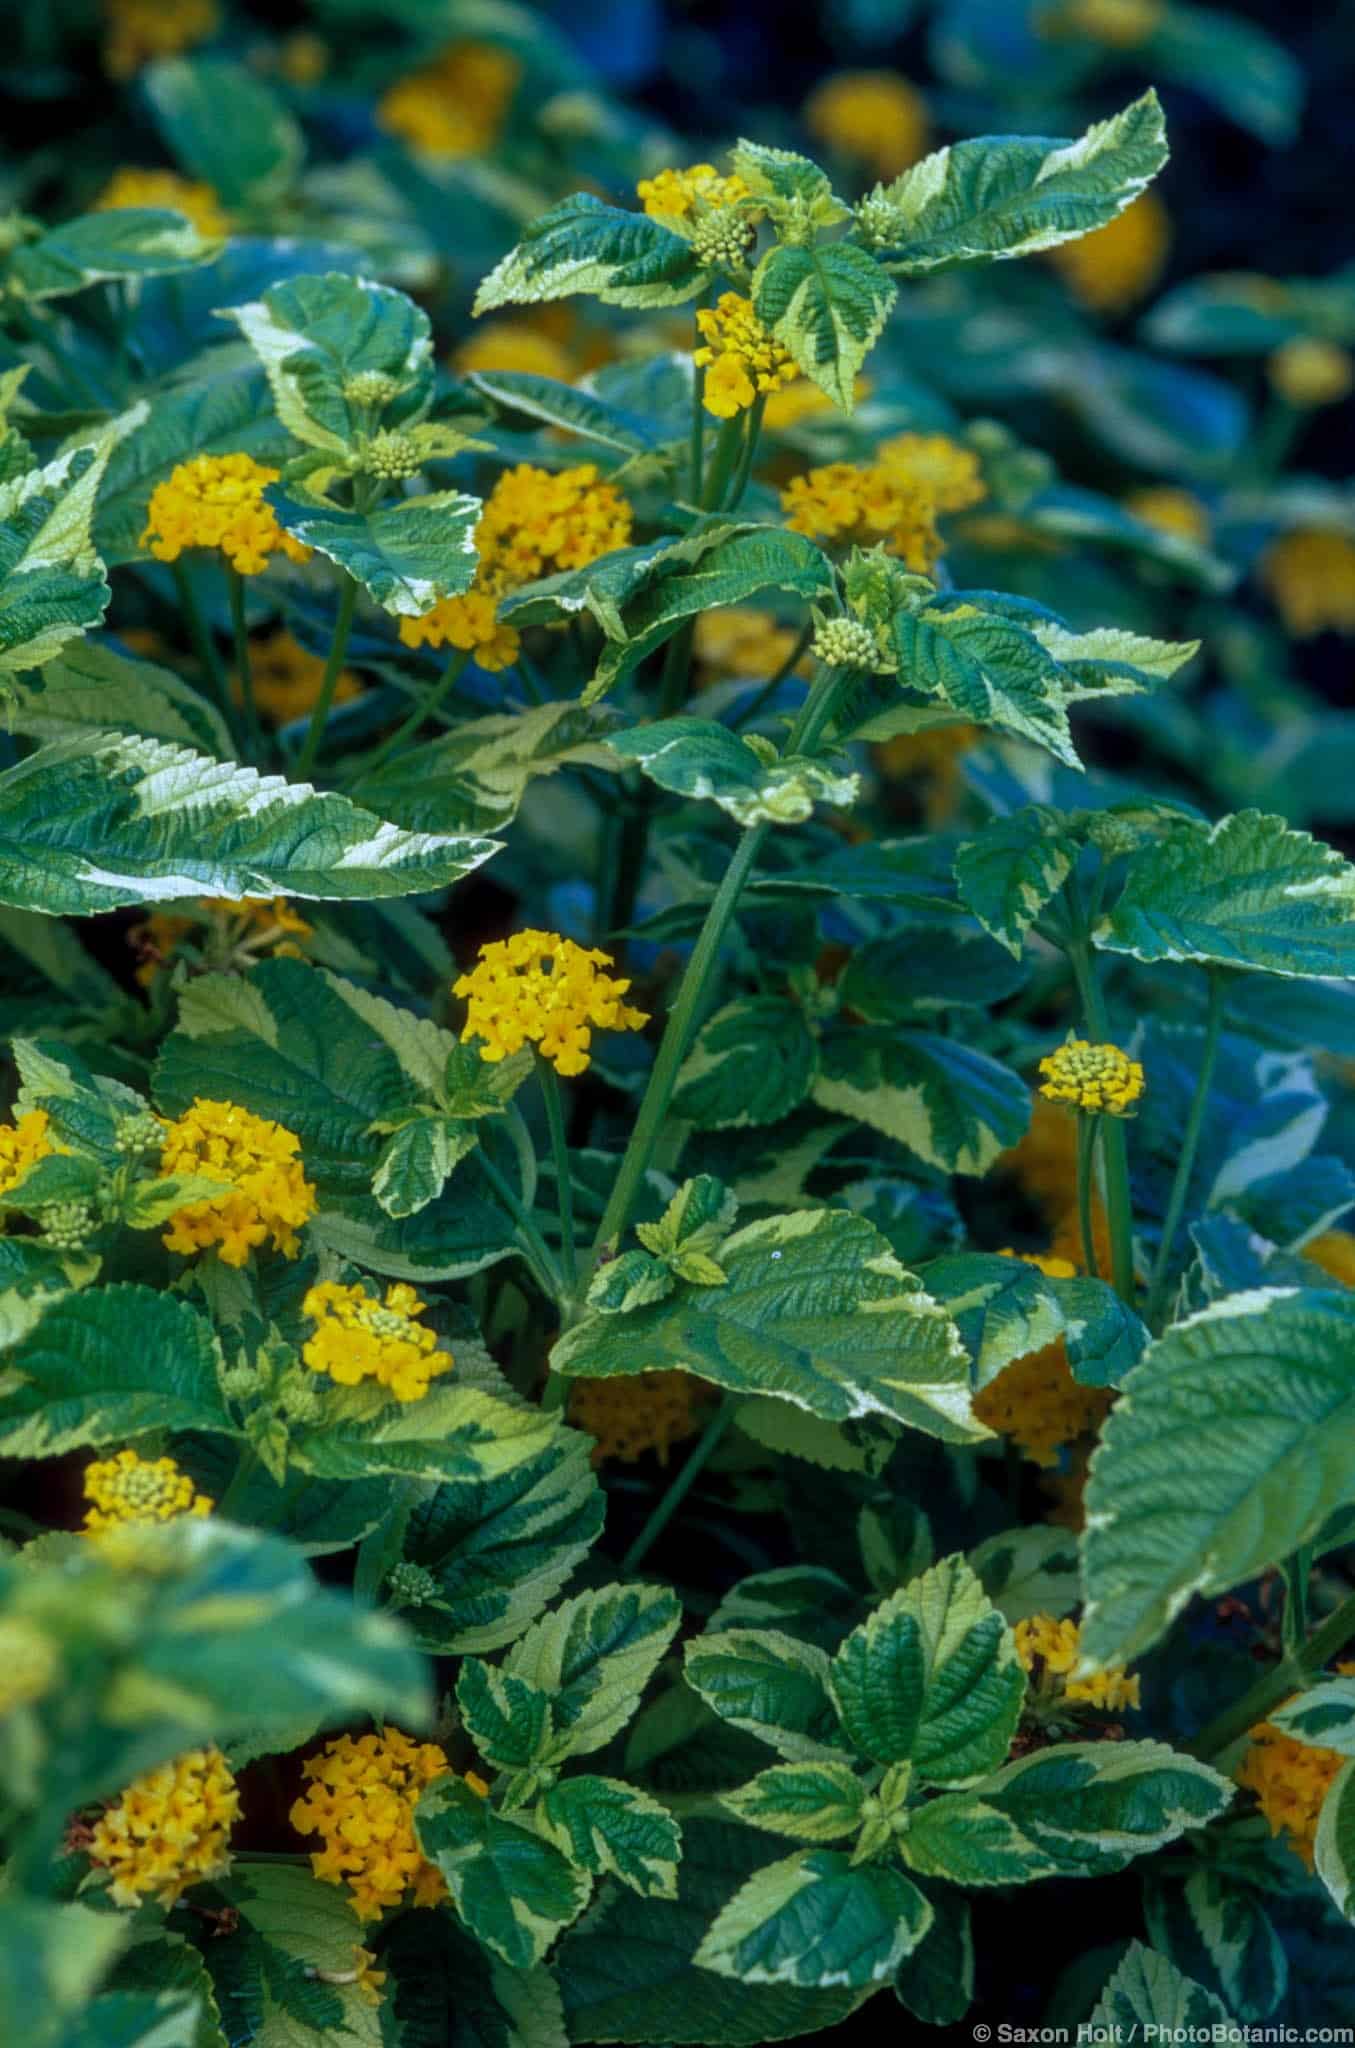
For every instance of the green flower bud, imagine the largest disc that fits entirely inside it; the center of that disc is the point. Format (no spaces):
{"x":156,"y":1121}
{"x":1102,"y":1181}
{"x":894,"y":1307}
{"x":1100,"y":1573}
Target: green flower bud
{"x":392,"y":455}
{"x":846,"y":643}
{"x":409,"y":1585}
{"x":722,"y":240}
{"x":66,"y":1225}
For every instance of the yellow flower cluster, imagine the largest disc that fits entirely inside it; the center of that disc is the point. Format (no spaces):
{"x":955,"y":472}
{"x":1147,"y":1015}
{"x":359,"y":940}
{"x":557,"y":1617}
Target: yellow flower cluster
{"x":29,"y":1663}
{"x":539,"y":988}
{"x":128,"y":1488}
{"x":1310,"y":575}
{"x":674,"y":196}
{"x":1117,"y":24}
{"x":1036,"y":1400}
{"x":875,"y":118}
{"x":138,"y":31}
{"x":287,"y":678}
{"x":631,"y":1413}
{"x":197,"y":202}
{"x":896,"y":499}
{"x":1113,"y":267}
{"x":1045,"y":1166}
{"x":1290,"y":1779}
{"x":1334,"y":1252}
{"x":359,"y":1338}
{"x":514,"y":345}
{"x":739,"y":355}
{"x":217,"y":501}
{"x":739,"y":641}
{"x":455,"y":106}
{"x":535,"y":521}
{"x":250,"y":925}
{"x":170,"y":1829}
{"x":792,"y":403}
{"x":1099,"y":1078}
{"x":1171,"y":510}
{"x":360,"y":1800}
{"x":1045,"y":1645}
{"x":269,"y":1197}
{"x":1308,"y":373}
{"x":22,"y":1145}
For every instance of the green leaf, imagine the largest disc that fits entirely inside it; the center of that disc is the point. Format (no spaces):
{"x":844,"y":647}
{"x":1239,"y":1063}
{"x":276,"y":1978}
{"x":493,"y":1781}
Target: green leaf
{"x":52,"y":1959}
{"x":73,"y":1379}
{"x":593,"y":1656}
{"x":225,"y":127}
{"x":816,"y":1310}
{"x":474,"y":778}
{"x":124,"y":243}
{"x":514,"y":1890}
{"x":135,"y":2019}
{"x":1246,"y":893}
{"x":1013,"y":870}
{"x":92,"y":688}
{"x":816,"y":1920}
{"x":1080,"y":1809}
{"x":953,"y":1106}
{"x":1029,"y":1571}
{"x":613,"y":1829}
{"x":52,"y":583}
{"x":1323,"y":1715}
{"x":812,"y":1802}
{"x":1146,"y":1989}
{"x":1233,"y":62}
{"x":582,"y":245}
{"x":1004,"y":196}
{"x":827,"y":304}
{"x":1004,"y":1308}
{"x":771,"y":1686}
{"x":696,"y":757}
{"x":416,"y":1161}
{"x":1155,"y":1535}
{"x":793,"y":191}
{"x":932,"y":1678}
{"x":407,"y":555}
{"x":1219,"y":1933}
{"x":315,"y":335}
{"x":936,"y":1982}
{"x":752,"y":1063}
{"x":302,"y":1925}
{"x":455,"y":1432}
{"x":448,"y":1992}
{"x":1334,"y":1843}
{"x":507,"y":1718}
{"x":96,"y":822}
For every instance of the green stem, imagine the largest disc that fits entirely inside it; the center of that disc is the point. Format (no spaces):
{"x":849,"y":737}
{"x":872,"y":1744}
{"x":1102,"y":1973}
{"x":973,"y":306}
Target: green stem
{"x":1190,"y":1143}
{"x":202,"y":640}
{"x":535,"y":1249}
{"x":819,"y":709}
{"x":756,"y":704}
{"x":673,"y":1047}
{"x":427,"y":707}
{"x":1086,"y":1150}
{"x":696,"y":445}
{"x":682,"y":1485}
{"x":235,"y":591}
{"x":240,"y":1478}
{"x":728,"y":444}
{"x":747,"y":453}
{"x":675,"y":677}
{"x":1291,"y":1674}
{"x":1295,"y":1573}
{"x":559,"y":1145}
{"x":338,"y":647}
{"x":1114,"y":1151}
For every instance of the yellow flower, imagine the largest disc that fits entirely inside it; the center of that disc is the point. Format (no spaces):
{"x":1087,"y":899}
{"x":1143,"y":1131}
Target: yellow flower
{"x":1045,"y":1166}
{"x":1045,"y":1645}
{"x":264,"y":920}
{"x":1310,"y":373}
{"x":740,"y":356}
{"x":1290,"y":1779}
{"x":675,"y":196}
{"x":1171,"y":510}
{"x":1036,"y":1400}
{"x":360,"y":1338}
{"x":269,"y":1197}
{"x":369,"y":1979}
{"x":896,"y":499}
{"x":539,"y":988}
{"x":196,"y":201}
{"x":1114,"y":266}
{"x":468,"y":622}
{"x":303,"y":58}
{"x":738,"y":641}
{"x":138,"y":31}
{"x":946,"y":473}
{"x":537,"y":520}
{"x":360,"y":1800}
{"x":128,"y":1488}
{"x":801,"y":400}
{"x":22,"y":1145}
{"x":170,"y":1829}
{"x":1118,"y":24}
{"x":455,"y":106}
{"x":216,"y":501}
{"x":30,"y":1664}
{"x":1334,"y":1252}
{"x":514,"y":345}
{"x":874,"y":117}
{"x":1099,"y":1078}
{"x":1311,"y":577}
{"x":632,"y":1413}
{"x":287,"y":678}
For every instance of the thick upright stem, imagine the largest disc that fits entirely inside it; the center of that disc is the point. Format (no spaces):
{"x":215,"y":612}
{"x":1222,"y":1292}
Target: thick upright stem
{"x":1291,"y":1674}
{"x":1190,"y":1144}
{"x":338,"y":647}
{"x":672,"y":1500}
{"x":1086,"y":1153}
{"x":748,"y":453}
{"x":235,"y":590}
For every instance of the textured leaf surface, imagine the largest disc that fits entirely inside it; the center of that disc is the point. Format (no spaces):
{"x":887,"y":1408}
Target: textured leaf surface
{"x":1334,"y":1845}
{"x":1146,"y":1989}
{"x":817,"y":1921}
{"x":1013,"y":869}
{"x":613,"y":1829}
{"x":91,"y":688}
{"x":407,"y":555}
{"x":751,"y":1064}
{"x":954,"y":1107}
{"x":314,"y":335}
{"x":826,"y":304}
{"x":582,"y":245}
{"x":514,"y":1890}
{"x":771,"y":1685}
{"x":695,"y":757}
{"x":593,"y":1657}
{"x":813,"y":1802}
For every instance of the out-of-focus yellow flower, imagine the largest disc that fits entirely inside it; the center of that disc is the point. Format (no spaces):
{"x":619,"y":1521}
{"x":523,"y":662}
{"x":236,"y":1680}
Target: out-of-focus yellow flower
{"x":1334,"y":1252}
{"x":1115,"y":266}
{"x":738,"y":641}
{"x":514,"y":345}
{"x":456,"y":105}
{"x":268,"y":1196}
{"x":1309,"y":373}
{"x":287,"y":677}
{"x":1118,"y":24}
{"x":196,"y":201}
{"x":674,"y":196}
{"x":23,"y":1144}
{"x":631,"y":1413}
{"x":360,"y":1799}
{"x":1310,"y":575}
{"x":1036,"y":1400}
{"x":358,"y":1337}
{"x":874,"y":118}
{"x":303,"y":58}
{"x":469,"y":622}
{"x":170,"y":1829}
{"x":1049,"y":1649}
{"x":897,"y":499}
{"x":128,"y":1488}
{"x":217,"y":501}
{"x":30,"y":1663}
{"x":1098,"y":1078}
{"x":739,"y":355}
{"x":1171,"y":510}
{"x":538,"y":988}
{"x":139,"y":31}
